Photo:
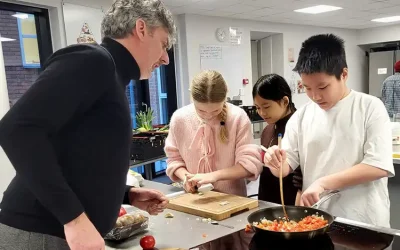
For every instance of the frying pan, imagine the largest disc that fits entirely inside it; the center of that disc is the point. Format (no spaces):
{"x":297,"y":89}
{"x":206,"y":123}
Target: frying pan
{"x":259,"y":242}
{"x":294,"y":213}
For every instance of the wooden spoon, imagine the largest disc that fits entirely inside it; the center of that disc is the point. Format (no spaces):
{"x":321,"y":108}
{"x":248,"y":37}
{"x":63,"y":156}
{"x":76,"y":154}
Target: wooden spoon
{"x":280,"y":178}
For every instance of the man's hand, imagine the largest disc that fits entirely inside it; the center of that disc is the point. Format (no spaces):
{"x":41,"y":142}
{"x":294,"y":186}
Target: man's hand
{"x":311,"y":195}
{"x":82,"y":235}
{"x":150,"y":200}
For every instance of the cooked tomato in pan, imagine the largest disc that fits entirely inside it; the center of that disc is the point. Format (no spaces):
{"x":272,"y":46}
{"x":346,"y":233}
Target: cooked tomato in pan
{"x":309,"y":223}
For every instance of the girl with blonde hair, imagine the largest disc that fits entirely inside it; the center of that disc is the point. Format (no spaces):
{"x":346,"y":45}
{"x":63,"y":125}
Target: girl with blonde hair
{"x":209,"y":141}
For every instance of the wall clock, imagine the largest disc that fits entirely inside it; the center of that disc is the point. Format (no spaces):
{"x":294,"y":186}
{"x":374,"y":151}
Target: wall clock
{"x":221,"y":34}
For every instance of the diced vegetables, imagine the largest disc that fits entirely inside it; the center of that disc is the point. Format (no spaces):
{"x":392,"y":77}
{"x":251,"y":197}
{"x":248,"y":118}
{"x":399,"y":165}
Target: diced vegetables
{"x":309,"y":223}
{"x":248,"y":229}
{"x":169,"y":215}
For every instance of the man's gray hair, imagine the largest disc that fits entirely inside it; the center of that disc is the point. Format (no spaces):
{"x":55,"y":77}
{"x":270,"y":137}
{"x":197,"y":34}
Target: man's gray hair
{"x":120,"y":19}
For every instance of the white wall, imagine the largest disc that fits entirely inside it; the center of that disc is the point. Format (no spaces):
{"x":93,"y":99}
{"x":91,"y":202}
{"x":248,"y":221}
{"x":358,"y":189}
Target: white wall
{"x":181,"y":62}
{"x":254,"y":61}
{"x":74,"y":18}
{"x":277,"y":47}
{"x":379,"y":34}
{"x":201,"y":30}
{"x":265,"y":54}
{"x":271,"y":55}
{"x":6,"y":170}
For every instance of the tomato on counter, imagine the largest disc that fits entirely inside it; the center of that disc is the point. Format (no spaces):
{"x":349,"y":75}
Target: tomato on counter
{"x":147,"y":242}
{"x":122,"y":212}
{"x":248,"y":229}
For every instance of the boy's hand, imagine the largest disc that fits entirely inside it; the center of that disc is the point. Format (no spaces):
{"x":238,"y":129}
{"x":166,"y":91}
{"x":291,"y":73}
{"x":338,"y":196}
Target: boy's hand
{"x":311,"y":195}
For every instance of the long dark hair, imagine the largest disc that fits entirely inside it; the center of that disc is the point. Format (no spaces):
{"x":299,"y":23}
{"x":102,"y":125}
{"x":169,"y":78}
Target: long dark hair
{"x":273,"y":87}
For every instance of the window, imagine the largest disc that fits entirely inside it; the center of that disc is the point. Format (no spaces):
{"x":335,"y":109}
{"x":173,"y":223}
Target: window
{"x":162,"y":95}
{"x":159,"y":93}
{"x":160,"y":103}
{"x":25,"y":32}
{"x":139,"y":170}
{"x":160,"y":166}
{"x":131,"y":93}
{"x":157,"y":104}
{"x":132,"y":103}
{"x":167,"y":99}
{"x":28,"y":40}
{"x":158,"y":97}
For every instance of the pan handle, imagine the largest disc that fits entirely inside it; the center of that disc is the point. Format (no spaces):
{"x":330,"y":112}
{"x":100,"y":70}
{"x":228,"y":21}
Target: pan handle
{"x":324,"y":198}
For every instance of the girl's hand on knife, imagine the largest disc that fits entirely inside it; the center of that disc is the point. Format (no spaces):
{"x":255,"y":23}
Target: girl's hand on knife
{"x":189,"y":186}
{"x":202,"y":179}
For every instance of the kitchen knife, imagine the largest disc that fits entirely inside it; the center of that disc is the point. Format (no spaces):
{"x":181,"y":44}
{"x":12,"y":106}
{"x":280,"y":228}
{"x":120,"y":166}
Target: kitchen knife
{"x":203,"y":189}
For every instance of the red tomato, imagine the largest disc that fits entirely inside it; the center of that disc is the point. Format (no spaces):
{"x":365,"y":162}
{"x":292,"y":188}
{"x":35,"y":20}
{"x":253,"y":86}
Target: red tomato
{"x":147,"y":242}
{"x":248,"y":229}
{"x":122,"y":211}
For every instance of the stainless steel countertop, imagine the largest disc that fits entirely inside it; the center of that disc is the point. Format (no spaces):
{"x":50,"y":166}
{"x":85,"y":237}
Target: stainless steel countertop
{"x":396,"y":161}
{"x":188,"y":231}
{"x":184,"y":230}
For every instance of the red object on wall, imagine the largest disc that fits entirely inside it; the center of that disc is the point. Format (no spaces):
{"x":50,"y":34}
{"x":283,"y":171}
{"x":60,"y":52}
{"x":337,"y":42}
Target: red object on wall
{"x":245,"y":81}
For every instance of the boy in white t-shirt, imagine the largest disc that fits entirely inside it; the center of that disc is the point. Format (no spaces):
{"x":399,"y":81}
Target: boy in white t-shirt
{"x":341,"y":140}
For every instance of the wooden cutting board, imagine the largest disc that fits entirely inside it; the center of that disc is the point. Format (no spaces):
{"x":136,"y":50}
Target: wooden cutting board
{"x":214,"y":205}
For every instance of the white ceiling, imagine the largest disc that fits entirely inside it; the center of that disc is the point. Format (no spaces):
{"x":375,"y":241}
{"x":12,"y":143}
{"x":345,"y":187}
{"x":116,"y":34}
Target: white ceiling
{"x":356,"y":14}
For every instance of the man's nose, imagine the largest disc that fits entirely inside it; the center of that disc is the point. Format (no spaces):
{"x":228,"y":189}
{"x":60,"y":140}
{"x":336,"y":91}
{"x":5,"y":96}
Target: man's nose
{"x":164,"y":58}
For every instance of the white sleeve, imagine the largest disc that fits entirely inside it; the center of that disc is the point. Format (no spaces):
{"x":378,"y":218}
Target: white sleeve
{"x":290,"y":142}
{"x":378,"y":151}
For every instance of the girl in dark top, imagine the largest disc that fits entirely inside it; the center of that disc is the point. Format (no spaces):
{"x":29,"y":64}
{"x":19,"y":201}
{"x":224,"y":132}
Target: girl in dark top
{"x":273,"y":99}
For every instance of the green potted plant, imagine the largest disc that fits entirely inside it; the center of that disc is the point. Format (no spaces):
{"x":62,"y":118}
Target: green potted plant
{"x":144,"y":121}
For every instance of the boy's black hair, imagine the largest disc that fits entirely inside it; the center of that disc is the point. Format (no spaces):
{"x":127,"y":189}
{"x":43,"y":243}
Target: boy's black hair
{"x":322,"y":53}
{"x":273,"y":87}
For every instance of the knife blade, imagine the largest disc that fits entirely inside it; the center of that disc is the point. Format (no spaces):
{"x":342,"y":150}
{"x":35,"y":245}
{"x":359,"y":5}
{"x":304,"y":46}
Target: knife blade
{"x":172,"y":195}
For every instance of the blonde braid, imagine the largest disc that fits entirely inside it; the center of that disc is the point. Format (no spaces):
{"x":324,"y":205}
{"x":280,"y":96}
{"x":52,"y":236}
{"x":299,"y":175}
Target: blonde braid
{"x":223,"y":131}
{"x":210,"y":87}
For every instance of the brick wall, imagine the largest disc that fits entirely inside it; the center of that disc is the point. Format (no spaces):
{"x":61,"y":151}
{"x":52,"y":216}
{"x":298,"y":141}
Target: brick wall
{"x":18,"y":78}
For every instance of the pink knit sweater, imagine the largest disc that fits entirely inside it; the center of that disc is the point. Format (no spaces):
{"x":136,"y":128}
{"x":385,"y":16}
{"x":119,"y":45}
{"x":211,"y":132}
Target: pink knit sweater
{"x":195,"y":145}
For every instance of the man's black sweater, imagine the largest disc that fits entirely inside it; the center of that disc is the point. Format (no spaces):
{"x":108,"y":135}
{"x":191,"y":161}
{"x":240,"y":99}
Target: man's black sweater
{"x":68,"y":138}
